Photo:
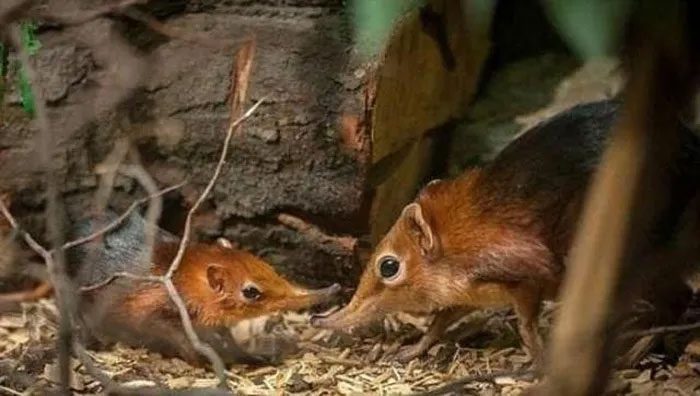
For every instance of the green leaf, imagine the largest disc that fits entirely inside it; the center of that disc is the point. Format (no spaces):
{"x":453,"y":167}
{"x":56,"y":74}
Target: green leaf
{"x":3,"y":72}
{"x":373,"y":20}
{"x":3,"y":61}
{"x":26,"y":94}
{"x":590,"y":27}
{"x":29,"y":41}
{"x":32,"y":45}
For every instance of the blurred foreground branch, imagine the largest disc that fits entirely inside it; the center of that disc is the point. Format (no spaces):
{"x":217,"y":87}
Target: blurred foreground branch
{"x":55,"y":260}
{"x":66,"y":296}
{"x":629,"y":194}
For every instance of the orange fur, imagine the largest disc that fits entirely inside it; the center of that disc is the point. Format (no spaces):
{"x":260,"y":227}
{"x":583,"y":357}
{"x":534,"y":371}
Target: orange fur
{"x":494,"y":237}
{"x":461,"y":245}
{"x":210,"y":280}
{"x":207,"y":306}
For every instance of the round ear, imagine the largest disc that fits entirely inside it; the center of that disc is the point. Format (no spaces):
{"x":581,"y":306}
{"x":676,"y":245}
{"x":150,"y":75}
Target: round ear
{"x":224,"y":243}
{"x":421,"y":229}
{"x":217,"y":277}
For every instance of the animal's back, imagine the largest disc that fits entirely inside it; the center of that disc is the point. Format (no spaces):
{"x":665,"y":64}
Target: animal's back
{"x":556,"y":156}
{"x":548,"y":168}
{"x":121,"y":249}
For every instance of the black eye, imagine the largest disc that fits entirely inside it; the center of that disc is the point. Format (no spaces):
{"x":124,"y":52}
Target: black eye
{"x":251,"y":293}
{"x":388,"y":267}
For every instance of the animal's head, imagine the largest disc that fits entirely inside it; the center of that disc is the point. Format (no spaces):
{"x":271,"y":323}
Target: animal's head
{"x":398,"y":276}
{"x":234,"y":285}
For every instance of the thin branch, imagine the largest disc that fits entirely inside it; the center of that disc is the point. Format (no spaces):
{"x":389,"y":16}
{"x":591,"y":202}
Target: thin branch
{"x":459,"y":384}
{"x":55,"y":263}
{"x":42,"y":290}
{"x":155,"y":205}
{"x":120,"y":274}
{"x":31,"y":242}
{"x":10,"y":391}
{"x":166,"y":280}
{"x":315,"y":234}
{"x":91,"y":367}
{"x":121,"y":217}
{"x":201,"y":347}
{"x":222,"y":160}
{"x":107,"y":170}
{"x":45,"y":287}
{"x":53,"y":257}
{"x":661,"y":330}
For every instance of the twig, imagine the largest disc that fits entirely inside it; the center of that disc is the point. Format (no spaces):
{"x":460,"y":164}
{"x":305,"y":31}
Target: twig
{"x":119,"y":219}
{"x":31,"y":242}
{"x":457,"y":385}
{"x":661,"y":330}
{"x":315,"y":234}
{"x":55,"y":263}
{"x":45,"y":287}
{"x":142,"y":176}
{"x":201,"y":347}
{"x":91,"y":367}
{"x":120,"y":274}
{"x":10,"y":391}
{"x":107,"y":170}
{"x":155,"y":205}
{"x":36,"y":293}
{"x":242,"y":77}
{"x":207,"y":190}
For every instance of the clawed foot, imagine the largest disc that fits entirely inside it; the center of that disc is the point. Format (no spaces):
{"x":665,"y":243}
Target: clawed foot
{"x":238,"y":355}
{"x":536,"y":362}
{"x":410,"y":352}
{"x":255,"y":360}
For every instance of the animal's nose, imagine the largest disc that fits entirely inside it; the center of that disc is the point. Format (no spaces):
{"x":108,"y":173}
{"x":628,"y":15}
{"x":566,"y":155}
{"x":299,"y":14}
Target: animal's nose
{"x":316,"y":320}
{"x":334,"y":288}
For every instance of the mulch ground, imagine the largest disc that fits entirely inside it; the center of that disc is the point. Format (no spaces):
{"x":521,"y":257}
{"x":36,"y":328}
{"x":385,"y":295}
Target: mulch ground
{"x":322,"y":362}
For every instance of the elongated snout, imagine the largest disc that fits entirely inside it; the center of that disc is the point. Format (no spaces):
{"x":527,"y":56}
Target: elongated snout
{"x":324,"y":294}
{"x":353,"y":315}
{"x":304,"y":298}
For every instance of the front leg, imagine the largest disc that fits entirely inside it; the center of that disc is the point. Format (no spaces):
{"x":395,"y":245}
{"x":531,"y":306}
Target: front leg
{"x":441,"y":322}
{"x":221,"y":340}
{"x":527,"y":303}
